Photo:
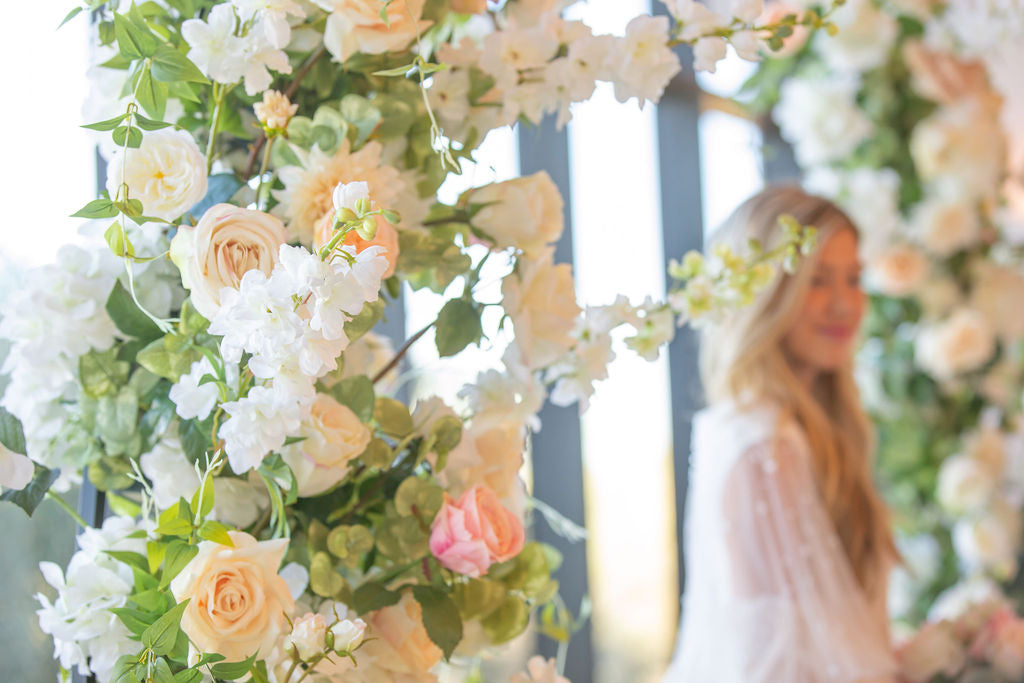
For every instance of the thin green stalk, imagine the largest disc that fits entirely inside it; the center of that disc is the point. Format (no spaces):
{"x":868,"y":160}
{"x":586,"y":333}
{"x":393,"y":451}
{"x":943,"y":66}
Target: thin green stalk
{"x":68,"y":509}
{"x":218,"y":99}
{"x":263,"y":171}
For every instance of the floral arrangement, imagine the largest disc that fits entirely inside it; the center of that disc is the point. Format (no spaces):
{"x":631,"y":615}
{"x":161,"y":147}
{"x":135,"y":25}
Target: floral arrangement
{"x":983,"y":642}
{"x":900,"y":122}
{"x":209,"y":360}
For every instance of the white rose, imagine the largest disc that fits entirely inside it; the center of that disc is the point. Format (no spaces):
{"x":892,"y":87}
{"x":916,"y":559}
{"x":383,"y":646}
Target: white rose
{"x":238,"y":502}
{"x":960,"y":147}
{"x":945,"y":226}
{"x":821,"y":118}
{"x":541,"y":301}
{"x":866,"y":35}
{"x":308,"y":636}
{"x":170,"y":473}
{"x":965,"y":485}
{"x":333,"y":437}
{"x":348,"y":634}
{"x":962,"y":343}
{"x":525,"y":213}
{"x":898,"y":271}
{"x":934,"y":650}
{"x":226,"y":243}
{"x":167,"y":173}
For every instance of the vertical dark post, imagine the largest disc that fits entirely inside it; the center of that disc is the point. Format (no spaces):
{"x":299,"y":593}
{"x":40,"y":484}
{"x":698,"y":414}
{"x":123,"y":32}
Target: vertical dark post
{"x":778,"y":162}
{"x":682,"y":230}
{"x":557,"y":451}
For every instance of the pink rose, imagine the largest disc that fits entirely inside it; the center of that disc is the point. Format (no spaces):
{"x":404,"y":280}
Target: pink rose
{"x":469,"y":535}
{"x":453,"y":545}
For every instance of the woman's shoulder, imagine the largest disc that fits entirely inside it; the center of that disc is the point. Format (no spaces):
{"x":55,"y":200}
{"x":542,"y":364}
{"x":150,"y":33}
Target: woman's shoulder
{"x":736,"y":426}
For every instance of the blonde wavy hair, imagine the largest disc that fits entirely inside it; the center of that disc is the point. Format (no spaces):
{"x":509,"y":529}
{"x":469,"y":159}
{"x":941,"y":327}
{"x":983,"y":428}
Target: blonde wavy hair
{"x":742,"y":360}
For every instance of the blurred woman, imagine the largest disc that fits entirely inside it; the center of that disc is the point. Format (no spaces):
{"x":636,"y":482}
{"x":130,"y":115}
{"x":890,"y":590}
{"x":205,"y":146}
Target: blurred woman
{"x":788,"y":546}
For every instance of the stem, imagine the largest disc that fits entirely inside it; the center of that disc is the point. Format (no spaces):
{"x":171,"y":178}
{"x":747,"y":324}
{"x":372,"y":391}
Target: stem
{"x":218,"y":98}
{"x":291,"y":670}
{"x":68,"y":509}
{"x":402,"y":351}
{"x":263,"y":171}
{"x":292,"y":89}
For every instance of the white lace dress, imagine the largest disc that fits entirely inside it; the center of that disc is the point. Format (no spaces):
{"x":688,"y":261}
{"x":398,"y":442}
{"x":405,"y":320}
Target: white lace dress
{"x":770,"y":595}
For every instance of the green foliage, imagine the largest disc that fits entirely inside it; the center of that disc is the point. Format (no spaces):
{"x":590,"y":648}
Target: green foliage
{"x":440,"y":618}
{"x":356,"y":392}
{"x":392,"y":416}
{"x":458,"y":326}
{"x":29,"y":498}
{"x":12,"y":436}
{"x":220,"y":188}
{"x":128,"y":317}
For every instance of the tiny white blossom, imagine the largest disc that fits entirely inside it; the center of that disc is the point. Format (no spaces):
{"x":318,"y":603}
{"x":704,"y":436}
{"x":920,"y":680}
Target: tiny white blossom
{"x":259,"y":424}
{"x":346,"y":195}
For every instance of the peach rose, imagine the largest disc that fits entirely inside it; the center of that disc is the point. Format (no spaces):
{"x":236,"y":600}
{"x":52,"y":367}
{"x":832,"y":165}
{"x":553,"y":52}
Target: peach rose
{"x":899,"y":270}
{"x":541,"y":301}
{"x":238,"y":601}
{"x":227,"y":242}
{"x":356,"y":26}
{"x":524,"y":212}
{"x":334,"y":436}
{"x":400,"y":629}
{"x":488,"y":519}
{"x":490,"y":456}
{"x":387,"y":237}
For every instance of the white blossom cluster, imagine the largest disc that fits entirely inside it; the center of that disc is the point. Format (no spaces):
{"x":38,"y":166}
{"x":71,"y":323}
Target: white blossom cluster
{"x":86,"y":635}
{"x":292,"y":325}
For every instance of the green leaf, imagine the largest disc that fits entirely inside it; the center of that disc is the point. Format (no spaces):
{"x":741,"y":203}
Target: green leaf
{"x":164,"y":631}
{"x":220,"y":188}
{"x":392,"y":416}
{"x":357,"y":393}
{"x":123,"y":133}
{"x":507,"y":621}
{"x":377,"y":454}
{"x":440,"y":618}
{"x":152,"y":94}
{"x":97,"y":208}
{"x":124,"y":670}
{"x":202,"y":508}
{"x":118,"y":241}
{"x":364,"y":321}
{"x":188,"y":676}
{"x":134,"y":41}
{"x":12,"y":436}
{"x":324,"y":579}
{"x":230,"y":671}
{"x":28,"y":498}
{"x":458,"y":326}
{"x":171,"y":65}
{"x":373,"y":596}
{"x":155,"y":552}
{"x":360,"y":112}
{"x":129,"y":558}
{"x":178,"y":555}
{"x":149,"y":124}
{"x":135,"y":620}
{"x":195,"y":438}
{"x":212,"y":530}
{"x":397,"y":71}
{"x":109,"y":124}
{"x":162,"y":671}
{"x":70,"y":15}
{"x":175,"y":520}
{"x":128,"y":317}
{"x":101,"y":374}
{"x":210,"y":658}
{"x":169,"y":357}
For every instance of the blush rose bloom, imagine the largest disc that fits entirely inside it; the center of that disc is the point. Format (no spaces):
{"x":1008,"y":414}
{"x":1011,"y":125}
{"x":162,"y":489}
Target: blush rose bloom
{"x":541,"y":301}
{"x":167,"y":173}
{"x":470,"y":534}
{"x":962,"y":343}
{"x":334,"y":436}
{"x":387,"y":237}
{"x":524,"y":212}
{"x":226,"y":243}
{"x":237,"y":599}
{"x":356,"y":26}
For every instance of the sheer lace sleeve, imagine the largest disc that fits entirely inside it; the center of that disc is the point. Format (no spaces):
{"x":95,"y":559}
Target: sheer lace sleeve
{"x":796,"y":604}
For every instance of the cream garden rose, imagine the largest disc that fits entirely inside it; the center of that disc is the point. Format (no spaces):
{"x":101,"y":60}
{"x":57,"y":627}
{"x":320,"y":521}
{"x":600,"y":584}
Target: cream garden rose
{"x":226,"y":243}
{"x":523,"y":212}
{"x":167,"y":173}
{"x":945,"y":226}
{"x":237,"y":600}
{"x":899,"y":270}
{"x":334,"y":436}
{"x":356,"y":26}
{"x":962,"y":343}
{"x":541,"y":300}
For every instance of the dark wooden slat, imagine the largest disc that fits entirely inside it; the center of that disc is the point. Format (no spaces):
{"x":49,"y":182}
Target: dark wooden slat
{"x":557,"y":452}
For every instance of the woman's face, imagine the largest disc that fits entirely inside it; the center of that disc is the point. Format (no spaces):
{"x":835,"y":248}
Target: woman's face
{"x":822,"y":338}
